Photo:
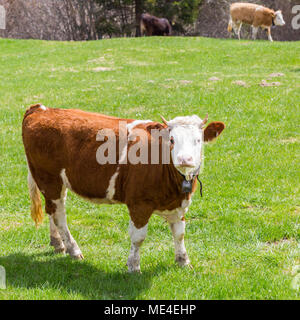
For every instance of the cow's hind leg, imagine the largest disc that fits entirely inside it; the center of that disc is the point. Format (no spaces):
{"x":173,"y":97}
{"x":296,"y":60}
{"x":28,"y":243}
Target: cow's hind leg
{"x":55,"y":238}
{"x":137,"y":236}
{"x":235,"y":25}
{"x":254,"y":32}
{"x":177,"y":226}
{"x":230,"y":23}
{"x":56,"y":208}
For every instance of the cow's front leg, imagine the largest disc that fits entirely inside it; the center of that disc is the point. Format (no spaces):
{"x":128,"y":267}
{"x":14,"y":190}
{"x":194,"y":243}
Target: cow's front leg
{"x":178,"y":230}
{"x":137,"y":236}
{"x":269,"y":34}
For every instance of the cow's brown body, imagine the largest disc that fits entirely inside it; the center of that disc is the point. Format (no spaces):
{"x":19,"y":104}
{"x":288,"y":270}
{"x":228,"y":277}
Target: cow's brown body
{"x":154,"y":26}
{"x":59,"y":139}
{"x":251,"y":14}
{"x":61,"y":147}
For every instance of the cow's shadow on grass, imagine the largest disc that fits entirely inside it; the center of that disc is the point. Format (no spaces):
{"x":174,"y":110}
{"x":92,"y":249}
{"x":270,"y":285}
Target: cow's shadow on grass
{"x":78,"y":279}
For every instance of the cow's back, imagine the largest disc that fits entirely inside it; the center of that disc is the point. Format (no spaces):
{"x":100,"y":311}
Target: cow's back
{"x":57,"y":140}
{"x":251,"y":13}
{"x":244,"y":12}
{"x":57,"y":131}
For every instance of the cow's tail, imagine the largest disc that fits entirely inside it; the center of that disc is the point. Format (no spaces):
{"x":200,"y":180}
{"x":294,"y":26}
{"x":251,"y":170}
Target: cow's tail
{"x":36,"y":203}
{"x":229,"y":28}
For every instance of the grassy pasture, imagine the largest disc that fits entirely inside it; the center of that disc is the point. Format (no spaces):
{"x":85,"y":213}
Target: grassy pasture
{"x":242,"y":236}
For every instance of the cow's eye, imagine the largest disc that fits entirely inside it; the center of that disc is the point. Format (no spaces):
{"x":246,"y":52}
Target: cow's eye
{"x":172,"y":140}
{"x":197,"y":141}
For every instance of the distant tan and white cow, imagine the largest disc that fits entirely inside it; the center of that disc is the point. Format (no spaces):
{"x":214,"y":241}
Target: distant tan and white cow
{"x":62,"y":149}
{"x":254,"y":15}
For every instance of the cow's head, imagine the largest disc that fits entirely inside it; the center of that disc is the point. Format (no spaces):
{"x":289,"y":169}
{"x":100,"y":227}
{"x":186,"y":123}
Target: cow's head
{"x":278,"y":18}
{"x":187,"y":136}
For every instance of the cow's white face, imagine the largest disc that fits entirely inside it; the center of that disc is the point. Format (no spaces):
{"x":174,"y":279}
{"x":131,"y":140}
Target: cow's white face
{"x":278,"y":20}
{"x":187,"y":136}
{"x":186,"y":139}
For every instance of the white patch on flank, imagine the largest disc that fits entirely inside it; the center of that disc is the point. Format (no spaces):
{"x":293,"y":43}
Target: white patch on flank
{"x":67,"y":184}
{"x":110,"y":192}
{"x":43,"y":107}
{"x":260,"y":8}
{"x":65,"y":179}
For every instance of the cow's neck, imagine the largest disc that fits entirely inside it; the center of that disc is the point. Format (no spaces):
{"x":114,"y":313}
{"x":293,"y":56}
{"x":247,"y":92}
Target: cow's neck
{"x":273,"y":23}
{"x":176,"y":178}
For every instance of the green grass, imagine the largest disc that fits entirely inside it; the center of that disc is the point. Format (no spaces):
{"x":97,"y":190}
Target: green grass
{"x":242,"y":236}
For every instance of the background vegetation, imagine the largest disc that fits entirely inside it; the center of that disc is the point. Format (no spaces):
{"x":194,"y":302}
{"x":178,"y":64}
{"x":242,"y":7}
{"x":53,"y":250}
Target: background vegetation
{"x":119,"y":17}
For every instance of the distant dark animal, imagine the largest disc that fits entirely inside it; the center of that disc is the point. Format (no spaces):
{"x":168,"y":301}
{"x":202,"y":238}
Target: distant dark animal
{"x":153,"y":26}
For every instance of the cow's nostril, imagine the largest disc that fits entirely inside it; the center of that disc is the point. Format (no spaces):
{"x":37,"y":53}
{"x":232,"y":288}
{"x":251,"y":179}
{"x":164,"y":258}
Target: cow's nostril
{"x":185,"y":161}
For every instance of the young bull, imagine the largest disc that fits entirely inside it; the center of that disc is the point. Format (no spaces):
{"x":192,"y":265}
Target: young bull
{"x":63,"y":149}
{"x":254,"y":15}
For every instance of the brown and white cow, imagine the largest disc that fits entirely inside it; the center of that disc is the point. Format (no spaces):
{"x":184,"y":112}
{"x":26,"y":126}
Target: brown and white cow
{"x":61,"y":147}
{"x":254,"y":15}
{"x":154,"y":26}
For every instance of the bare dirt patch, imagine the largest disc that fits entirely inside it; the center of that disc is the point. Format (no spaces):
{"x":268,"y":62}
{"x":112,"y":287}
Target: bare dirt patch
{"x":214,"y":79}
{"x":63,"y":69}
{"x":281,"y":242}
{"x":276,"y":75}
{"x":290,"y":140}
{"x":264,"y":83}
{"x":9,"y":225}
{"x":185,"y":82}
{"x":138,"y":110}
{"x":240,"y":83}
{"x":101,"y":59}
{"x":140,"y":63}
{"x":100,"y":69}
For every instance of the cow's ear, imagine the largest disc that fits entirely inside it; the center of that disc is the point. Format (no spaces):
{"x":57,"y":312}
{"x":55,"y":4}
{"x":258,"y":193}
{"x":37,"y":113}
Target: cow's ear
{"x":213,"y":130}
